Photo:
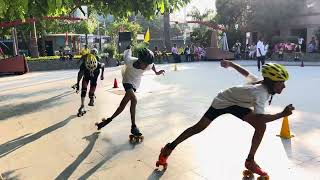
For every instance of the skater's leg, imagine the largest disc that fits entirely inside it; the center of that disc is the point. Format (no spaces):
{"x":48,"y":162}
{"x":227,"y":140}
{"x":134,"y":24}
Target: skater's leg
{"x":84,"y":90}
{"x":123,"y":104}
{"x":133,"y":105}
{"x":93,"y":85}
{"x":260,"y":128}
{"x":195,"y":129}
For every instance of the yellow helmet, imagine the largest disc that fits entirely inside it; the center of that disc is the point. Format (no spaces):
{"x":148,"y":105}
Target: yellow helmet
{"x":91,"y":62}
{"x":275,"y":72}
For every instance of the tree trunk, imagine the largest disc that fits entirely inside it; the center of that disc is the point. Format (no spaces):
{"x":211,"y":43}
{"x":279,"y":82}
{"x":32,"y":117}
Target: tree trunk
{"x":166,"y":27}
{"x":34,"y":43}
{"x":87,"y":39}
{"x":43,"y":45}
{"x":15,"y":42}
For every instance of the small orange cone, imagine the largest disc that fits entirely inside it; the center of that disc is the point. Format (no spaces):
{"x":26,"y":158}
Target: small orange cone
{"x":115,"y":83}
{"x":285,"y":130}
{"x":302,"y":64}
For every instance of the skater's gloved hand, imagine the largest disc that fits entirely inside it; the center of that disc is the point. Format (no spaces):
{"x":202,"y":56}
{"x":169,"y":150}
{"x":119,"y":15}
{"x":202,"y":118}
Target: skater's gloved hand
{"x":287,"y":110}
{"x":77,"y":87}
{"x":102,"y":78}
{"x":160,"y":72}
{"x":225,"y":63}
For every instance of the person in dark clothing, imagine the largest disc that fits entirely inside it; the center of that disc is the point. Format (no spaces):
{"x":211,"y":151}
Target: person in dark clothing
{"x":89,"y":72}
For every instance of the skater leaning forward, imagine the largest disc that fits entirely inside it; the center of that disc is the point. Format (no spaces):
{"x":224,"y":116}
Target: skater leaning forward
{"x":238,"y":101}
{"x":89,"y":72}
{"x":131,"y":78}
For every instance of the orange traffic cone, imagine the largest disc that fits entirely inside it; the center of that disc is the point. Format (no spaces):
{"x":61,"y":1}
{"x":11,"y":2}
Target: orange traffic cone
{"x":302,"y":64}
{"x":285,"y":130}
{"x":115,"y":83}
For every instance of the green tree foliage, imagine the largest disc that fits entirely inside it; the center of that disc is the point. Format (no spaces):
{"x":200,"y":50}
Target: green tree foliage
{"x":201,"y":35}
{"x":265,"y":16}
{"x":269,"y":16}
{"x":20,"y":9}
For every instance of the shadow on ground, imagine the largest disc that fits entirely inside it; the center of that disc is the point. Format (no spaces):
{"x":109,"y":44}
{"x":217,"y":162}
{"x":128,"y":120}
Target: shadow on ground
{"x":156,"y":174}
{"x":17,"y":143}
{"x":9,"y":111}
{"x":67,"y":172}
{"x":114,"y":151}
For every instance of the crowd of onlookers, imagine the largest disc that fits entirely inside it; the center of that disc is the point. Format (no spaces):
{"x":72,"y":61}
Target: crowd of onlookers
{"x":275,"y":50}
{"x":189,"y":52}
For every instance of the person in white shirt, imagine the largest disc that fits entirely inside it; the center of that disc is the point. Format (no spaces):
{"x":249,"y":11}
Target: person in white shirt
{"x":131,"y":78}
{"x":260,"y":53}
{"x":238,"y":101}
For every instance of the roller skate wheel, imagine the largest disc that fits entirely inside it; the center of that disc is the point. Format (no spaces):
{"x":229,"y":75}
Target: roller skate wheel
{"x":263,"y":177}
{"x":247,"y":173}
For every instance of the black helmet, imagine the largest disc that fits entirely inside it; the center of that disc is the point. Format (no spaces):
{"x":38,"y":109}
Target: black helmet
{"x":146,"y":56}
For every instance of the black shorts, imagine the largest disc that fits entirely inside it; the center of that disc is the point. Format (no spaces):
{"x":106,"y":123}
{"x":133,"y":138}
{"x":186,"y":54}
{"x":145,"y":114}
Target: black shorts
{"x":237,"y":111}
{"x":128,"y":86}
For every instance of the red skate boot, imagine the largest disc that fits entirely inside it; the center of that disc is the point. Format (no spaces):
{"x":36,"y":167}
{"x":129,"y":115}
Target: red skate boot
{"x":164,"y":154}
{"x":254,"y":168}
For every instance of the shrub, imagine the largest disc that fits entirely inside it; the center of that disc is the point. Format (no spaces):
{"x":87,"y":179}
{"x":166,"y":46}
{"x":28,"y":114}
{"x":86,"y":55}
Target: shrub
{"x":110,"y":49}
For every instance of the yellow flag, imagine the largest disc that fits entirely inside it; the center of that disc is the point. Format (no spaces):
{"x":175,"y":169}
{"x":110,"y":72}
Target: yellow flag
{"x":162,"y":7}
{"x":147,"y":36}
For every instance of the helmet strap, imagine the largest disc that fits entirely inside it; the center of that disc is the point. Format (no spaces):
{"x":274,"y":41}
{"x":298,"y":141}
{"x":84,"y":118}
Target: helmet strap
{"x":270,"y":100}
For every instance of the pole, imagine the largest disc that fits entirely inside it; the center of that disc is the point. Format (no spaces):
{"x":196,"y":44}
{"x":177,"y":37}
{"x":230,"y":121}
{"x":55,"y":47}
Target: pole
{"x":15,"y":41}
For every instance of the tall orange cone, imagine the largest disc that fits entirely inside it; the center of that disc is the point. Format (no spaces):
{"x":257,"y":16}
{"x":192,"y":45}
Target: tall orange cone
{"x":302,"y":64}
{"x":285,"y":130}
{"x":115,"y":83}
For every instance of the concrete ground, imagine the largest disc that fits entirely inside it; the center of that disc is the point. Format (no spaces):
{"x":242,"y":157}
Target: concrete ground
{"x":42,"y":138}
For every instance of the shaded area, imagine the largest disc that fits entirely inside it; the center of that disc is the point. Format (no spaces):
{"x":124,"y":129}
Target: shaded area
{"x":156,"y":174}
{"x":67,"y":172}
{"x":10,"y":175}
{"x":9,"y":111}
{"x":287,"y":147}
{"x":13,"y":145}
{"x":21,"y":96}
{"x":114,"y":152}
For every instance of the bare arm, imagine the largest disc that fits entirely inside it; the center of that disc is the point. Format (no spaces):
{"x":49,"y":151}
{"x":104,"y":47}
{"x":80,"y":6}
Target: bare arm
{"x":102,"y":71}
{"x":240,"y":69}
{"x":269,"y":117}
{"x":80,"y":75}
{"x":157,"y":72}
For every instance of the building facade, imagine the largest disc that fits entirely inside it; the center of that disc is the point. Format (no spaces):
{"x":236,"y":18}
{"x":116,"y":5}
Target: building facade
{"x":306,"y":23}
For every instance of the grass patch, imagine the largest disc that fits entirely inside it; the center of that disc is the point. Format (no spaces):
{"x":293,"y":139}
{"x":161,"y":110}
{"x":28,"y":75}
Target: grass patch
{"x":48,"y":58}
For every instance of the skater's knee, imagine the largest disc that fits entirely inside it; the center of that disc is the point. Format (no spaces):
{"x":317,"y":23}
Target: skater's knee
{"x":197,"y":128}
{"x":260,"y":126}
{"x":134,"y":100}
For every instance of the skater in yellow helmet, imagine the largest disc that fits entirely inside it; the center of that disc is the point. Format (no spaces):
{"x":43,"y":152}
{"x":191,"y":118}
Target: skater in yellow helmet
{"x":238,"y":101}
{"x":89,"y":70}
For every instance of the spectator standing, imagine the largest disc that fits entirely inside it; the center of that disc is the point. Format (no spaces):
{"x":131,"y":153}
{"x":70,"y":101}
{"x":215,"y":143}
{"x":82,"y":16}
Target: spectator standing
{"x":253,"y":49}
{"x":187,"y":53}
{"x":174,"y":51}
{"x":260,"y":53}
